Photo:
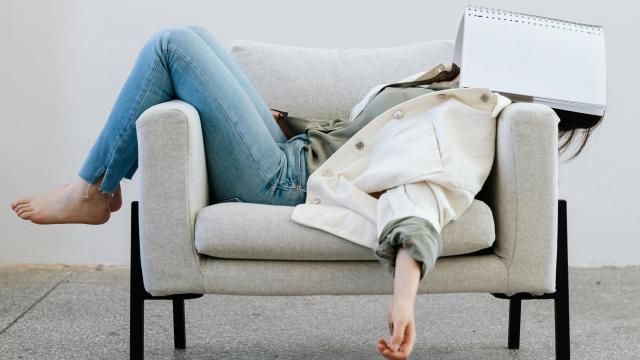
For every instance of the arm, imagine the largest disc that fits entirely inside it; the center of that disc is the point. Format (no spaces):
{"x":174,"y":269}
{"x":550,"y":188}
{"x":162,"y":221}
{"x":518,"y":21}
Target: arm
{"x":408,"y":271}
{"x":416,"y":235}
{"x":174,"y":187}
{"x":524,"y":195}
{"x":408,"y":276}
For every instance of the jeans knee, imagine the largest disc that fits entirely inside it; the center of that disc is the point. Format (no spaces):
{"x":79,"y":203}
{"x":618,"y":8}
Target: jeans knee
{"x":196,"y":29}
{"x":173,"y":37}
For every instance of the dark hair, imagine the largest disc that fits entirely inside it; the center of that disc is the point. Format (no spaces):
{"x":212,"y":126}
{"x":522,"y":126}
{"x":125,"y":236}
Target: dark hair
{"x":575,"y":126}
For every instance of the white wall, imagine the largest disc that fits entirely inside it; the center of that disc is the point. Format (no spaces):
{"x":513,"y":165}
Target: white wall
{"x":63,"y":62}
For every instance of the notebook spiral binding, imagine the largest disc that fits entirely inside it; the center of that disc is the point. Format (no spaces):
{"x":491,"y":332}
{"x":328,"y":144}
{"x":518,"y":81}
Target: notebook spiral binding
{"x":478,"y":11}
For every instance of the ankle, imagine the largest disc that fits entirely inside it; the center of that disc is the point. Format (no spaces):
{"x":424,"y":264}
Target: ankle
{"x":86,"y":190}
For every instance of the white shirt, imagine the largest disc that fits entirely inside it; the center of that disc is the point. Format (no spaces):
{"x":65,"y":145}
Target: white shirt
{"x":431,"y":154}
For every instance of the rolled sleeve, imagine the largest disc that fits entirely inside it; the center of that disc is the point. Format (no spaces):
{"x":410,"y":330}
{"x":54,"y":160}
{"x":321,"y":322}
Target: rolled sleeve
{"x":417,"y":235}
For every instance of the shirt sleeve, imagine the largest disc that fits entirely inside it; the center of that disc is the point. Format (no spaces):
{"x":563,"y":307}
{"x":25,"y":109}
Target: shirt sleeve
{"x":414,"y":233}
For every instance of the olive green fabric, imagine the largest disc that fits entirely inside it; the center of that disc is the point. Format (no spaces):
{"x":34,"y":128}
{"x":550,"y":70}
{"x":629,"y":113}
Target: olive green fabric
{"x":326,"y":136}
{"x":417,"y":235}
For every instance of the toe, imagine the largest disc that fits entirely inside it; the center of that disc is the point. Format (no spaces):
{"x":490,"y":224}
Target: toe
{"x":24,"y":209}
{"x":20,"y":201}
{"x":26,"y":215}
{"x":15,"y":203}
{"x":21,"y":206}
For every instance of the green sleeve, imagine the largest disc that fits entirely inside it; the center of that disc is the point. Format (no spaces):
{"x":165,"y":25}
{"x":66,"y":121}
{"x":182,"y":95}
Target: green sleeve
{"x":300,"y":125}
{"x":414,"y":233}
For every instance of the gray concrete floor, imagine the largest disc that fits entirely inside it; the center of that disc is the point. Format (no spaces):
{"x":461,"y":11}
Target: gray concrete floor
{"x":82,"y":313}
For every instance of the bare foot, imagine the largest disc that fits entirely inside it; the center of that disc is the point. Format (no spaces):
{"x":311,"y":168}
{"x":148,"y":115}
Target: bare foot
{"x":401,"y":322}
{"x":76,"y":202}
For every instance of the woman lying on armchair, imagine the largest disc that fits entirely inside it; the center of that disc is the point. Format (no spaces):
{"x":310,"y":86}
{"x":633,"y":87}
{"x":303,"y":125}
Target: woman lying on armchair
{"x":273,"y":159}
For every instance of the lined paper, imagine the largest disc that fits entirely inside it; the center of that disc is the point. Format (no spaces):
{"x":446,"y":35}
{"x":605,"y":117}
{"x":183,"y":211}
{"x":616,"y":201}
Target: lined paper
{"x":555,"y":62}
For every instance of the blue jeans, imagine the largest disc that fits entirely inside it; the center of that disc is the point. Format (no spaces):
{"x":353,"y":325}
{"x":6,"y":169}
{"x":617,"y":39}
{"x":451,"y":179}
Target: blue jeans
{"x":248,"y":157}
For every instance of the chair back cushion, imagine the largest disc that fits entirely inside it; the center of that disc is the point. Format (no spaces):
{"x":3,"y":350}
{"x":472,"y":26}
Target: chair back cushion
{"x":325,"y":83}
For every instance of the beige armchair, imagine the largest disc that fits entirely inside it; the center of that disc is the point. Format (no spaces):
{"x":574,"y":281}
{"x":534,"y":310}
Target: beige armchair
{"x":184,"y":247}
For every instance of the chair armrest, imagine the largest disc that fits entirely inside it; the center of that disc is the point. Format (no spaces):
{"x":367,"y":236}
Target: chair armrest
{"x":174,"y":187}
{"x":524,"y":188}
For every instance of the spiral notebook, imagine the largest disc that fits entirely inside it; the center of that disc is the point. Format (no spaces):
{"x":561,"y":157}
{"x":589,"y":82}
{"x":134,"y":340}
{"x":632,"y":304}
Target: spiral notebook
{"x":533,"y":58}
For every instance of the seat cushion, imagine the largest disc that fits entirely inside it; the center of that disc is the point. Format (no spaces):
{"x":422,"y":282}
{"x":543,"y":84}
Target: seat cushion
{"x":239,"y":230}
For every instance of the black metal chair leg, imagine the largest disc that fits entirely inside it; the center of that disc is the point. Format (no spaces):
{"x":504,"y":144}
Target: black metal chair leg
{"x":137,"y":292}
{"x":561,"y":301}
{"x":179,"y":337}
{"x":514,"y":323}
{"x":136,"y":336}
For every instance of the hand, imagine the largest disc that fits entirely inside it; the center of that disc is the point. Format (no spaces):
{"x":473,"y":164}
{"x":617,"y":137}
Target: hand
{"x":284,"y":126}
{"x":402,"y":328}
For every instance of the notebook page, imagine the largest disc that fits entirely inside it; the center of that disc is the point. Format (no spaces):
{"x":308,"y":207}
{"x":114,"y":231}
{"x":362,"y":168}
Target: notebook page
{"x":516,"y":54}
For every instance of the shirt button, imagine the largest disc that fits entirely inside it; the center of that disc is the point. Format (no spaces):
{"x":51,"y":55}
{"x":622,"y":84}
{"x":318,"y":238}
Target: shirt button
{"x":327,"y":172}
{"x":315,"y":201}
{"x":484,"y":97}
{"x":442,"y":96}
{"x":359,"y":145}
{"x":398,"y":115}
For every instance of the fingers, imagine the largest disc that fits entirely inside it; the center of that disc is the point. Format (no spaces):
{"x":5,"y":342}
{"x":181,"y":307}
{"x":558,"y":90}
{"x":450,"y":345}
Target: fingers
{"x":387,"y":353}
{"x":384,"y":349}
{"x":381,"y":345}
{"x":407,"y":342}
{"x":399,"y":328}
{"x":410,"y":339}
